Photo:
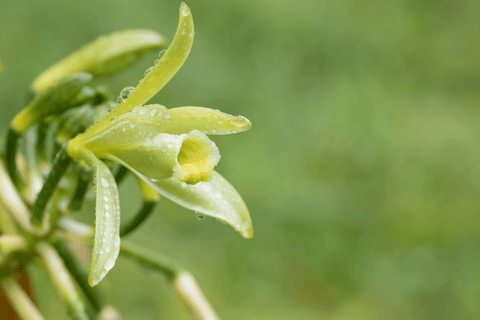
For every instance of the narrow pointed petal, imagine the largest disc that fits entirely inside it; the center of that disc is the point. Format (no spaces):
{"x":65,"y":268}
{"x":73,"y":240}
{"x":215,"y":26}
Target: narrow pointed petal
{"x":107,"y":224}
{"x":136,"y":126}
{"x":103,"y":57}
{"x":208,"y":121}
{"x":166,"y":67}
{"x":216,"y":198}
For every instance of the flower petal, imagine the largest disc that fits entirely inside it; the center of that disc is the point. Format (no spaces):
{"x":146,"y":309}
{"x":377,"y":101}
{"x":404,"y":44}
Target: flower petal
{"x":103,"y":57}
{"x":188,"y":157}
{"x":166,"y":67}
{"x":133,"y":127}
{"x":216,"y":198}
{"x":107,"y":225}
{"x":208,"y":121}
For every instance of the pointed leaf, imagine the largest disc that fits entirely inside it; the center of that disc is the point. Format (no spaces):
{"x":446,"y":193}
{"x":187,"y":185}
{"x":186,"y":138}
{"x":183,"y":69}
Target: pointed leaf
{"x":103,"y":57}
{"x":107,"y":223}
{"x":216,"y":198}
{"x":208,"y":121}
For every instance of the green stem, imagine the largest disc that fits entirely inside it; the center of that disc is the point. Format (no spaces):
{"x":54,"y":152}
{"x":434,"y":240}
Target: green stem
{"x":120,"y":174}
{"x":11,"y":154}
{"x":62,"y":281}
{"x":78,"y":196}
{"x":41,"y":138}
{"x":79,"y":274}
{"x":19,"y":300}
{"x":60,"y":165}
{"x":140,"y":217}
{"x":150,"y":259}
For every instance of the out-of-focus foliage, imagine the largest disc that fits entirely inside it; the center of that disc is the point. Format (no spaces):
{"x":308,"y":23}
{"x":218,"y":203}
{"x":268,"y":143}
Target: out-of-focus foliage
{"x":361,"y":171}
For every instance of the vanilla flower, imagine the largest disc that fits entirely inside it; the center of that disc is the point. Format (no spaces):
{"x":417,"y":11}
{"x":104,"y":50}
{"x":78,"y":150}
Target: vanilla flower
{"x":167,"y":148}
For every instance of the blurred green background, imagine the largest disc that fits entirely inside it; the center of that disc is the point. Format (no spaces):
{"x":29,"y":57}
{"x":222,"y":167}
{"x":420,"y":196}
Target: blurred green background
{"x":361,"y":171}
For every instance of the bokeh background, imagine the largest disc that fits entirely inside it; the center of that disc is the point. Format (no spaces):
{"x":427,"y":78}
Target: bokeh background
{"x":361,"y":171}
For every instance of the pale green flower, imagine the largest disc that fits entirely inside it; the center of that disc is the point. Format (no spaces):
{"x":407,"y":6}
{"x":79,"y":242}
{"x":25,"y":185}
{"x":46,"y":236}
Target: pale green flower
{"x":167,"y":148}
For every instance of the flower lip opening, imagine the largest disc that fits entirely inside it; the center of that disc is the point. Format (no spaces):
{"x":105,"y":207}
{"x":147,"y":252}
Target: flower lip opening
{"x":197,"y":157}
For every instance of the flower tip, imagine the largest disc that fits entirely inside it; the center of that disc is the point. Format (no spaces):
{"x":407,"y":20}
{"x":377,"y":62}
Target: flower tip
{"x":248,"y":232}
{"x":184,"y":9}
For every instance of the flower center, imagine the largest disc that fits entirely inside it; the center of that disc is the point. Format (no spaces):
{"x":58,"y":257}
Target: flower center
{"x":196,"y":159}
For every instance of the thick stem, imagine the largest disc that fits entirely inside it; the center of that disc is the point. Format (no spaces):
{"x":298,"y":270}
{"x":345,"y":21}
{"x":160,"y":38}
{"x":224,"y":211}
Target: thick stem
{"x":79,"y":274}
{"x":137,"y":220}
{"x":150,"y":259}
{"x":192,"y":296}
{"x":62,"y":281}
{"x":120,"y":174}
{"x":11,"y":155}
{"x":41,"y":139}
{"x":60,"y":165}
{"x":19,"y":300}
{"x":84,"y":177}
{"x":13,"y":203}
{"x":12,"y":242}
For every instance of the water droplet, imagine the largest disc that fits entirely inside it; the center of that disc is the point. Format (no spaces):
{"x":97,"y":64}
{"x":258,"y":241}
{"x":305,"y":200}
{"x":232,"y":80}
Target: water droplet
{"x":185,"y":12}
{"x":148,"y":70}
{"x":107,"y":206}
{"x":192,"y":33}
{"x":124,"y":94}
{"x":199,"y":216}
{"x":109,"y":264}
{"x":142,"y":111}
{"x":160,"y":55}
{"x":105,"y":183}
{"x":105,"y":198}
{"x":107,"y":249}
{"x":184,"y":31}
{"x":152,"y":113}
{"x":156,"y":61}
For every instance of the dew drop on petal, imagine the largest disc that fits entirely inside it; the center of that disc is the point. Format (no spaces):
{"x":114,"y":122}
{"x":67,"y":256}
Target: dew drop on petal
{"x":109,"y":264}
{"x":148,"y":70}
{"x":199,"y":216}
{"x":105,"y":183}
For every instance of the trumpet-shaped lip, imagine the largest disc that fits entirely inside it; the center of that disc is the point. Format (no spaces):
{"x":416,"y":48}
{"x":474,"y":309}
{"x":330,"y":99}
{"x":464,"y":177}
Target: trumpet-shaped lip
{"x":196,"y":158}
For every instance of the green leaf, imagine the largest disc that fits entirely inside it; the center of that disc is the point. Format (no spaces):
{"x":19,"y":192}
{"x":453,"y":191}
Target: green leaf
{"x":107,"y":223}
{"x":54,"y":101}
{"x":216,"y":198}
{"x":166,"y":67}
{"x":103,"y":57}
{"x":208,"y":121}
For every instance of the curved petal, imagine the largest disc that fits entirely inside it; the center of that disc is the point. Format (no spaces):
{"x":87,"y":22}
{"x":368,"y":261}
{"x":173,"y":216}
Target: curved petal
{"x":216,"y":198}
{"x":107,"y":225}
{"x":103,"y":57}
{"x":136,"y":126}
{"x":188,"y":157}
{"x":208,"y":121}
{"x":166,"y":67}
